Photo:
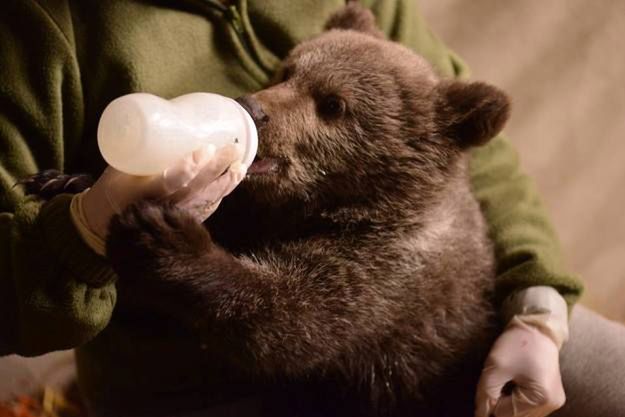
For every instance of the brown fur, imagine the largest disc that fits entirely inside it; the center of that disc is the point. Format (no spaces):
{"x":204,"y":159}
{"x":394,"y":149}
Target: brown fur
{"x":356,"y":277}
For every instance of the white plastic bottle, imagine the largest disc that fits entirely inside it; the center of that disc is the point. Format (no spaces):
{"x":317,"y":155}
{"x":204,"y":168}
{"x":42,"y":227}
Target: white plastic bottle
{"x":143,"y":134}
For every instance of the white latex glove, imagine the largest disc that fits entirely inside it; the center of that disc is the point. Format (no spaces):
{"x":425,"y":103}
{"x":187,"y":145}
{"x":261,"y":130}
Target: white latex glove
{"x":195,"y":184}
{"x":525,"y":359}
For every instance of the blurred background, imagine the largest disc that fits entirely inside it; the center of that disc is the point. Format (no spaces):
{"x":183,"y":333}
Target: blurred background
{"x":563,"y":64}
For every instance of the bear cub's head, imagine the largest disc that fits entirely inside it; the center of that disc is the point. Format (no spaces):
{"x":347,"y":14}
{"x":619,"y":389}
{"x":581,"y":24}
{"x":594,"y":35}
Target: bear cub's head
{"x":353,"y":117}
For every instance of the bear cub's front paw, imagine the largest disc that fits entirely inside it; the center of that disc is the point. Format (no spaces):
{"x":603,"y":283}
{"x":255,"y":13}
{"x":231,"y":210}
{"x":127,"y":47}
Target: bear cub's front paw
{"x":151,"y":235}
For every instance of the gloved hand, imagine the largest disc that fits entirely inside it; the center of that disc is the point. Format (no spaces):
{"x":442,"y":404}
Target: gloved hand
{"x":525,"y":358}
{"x":195,"y":184}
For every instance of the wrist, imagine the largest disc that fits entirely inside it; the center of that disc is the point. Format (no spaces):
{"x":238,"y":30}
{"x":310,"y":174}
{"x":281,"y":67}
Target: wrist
{"x":541,"y":307}
{"x":78,"y":258}
{"x":93,"y":238}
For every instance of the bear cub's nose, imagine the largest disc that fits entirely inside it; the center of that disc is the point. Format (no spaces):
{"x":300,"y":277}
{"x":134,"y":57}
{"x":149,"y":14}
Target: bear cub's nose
{"x":255,"y":110}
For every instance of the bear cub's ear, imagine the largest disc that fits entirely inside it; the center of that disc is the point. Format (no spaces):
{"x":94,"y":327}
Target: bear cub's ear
{"x":356,"y":17}
{"x":470,"y":113}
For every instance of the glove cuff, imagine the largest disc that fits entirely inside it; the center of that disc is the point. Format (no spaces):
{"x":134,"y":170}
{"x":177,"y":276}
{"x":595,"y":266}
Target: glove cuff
{"x":93,"y":240}
{"x":541,"y":307}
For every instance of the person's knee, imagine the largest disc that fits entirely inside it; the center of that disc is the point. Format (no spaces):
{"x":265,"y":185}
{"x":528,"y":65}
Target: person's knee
{"x":593,"y":366}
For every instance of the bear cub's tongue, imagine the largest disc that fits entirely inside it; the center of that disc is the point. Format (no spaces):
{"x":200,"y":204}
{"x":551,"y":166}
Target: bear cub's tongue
{"x":263,"y":166}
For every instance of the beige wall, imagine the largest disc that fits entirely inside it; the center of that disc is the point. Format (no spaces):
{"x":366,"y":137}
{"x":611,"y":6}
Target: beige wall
{"x":563,"y":63}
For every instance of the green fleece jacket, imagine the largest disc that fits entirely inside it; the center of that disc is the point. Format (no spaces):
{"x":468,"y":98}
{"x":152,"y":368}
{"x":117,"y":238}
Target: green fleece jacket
{"x":62,"y":61}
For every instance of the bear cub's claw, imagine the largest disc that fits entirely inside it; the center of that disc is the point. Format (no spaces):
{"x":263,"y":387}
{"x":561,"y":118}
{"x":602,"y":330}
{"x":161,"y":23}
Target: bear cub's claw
{"x":51,"y":182}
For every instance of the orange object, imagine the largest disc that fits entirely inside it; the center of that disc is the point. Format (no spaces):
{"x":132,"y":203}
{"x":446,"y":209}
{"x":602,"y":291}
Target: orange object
{"x":49,"y":403}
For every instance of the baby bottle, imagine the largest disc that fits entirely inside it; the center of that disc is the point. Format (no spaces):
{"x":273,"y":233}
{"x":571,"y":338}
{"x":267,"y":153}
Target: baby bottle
{"x":143,"y":134}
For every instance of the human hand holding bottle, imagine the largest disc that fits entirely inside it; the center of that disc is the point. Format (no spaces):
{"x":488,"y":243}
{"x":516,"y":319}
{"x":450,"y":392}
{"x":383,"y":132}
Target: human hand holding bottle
{"x":196,"y":184}
{"x":144,"y":134}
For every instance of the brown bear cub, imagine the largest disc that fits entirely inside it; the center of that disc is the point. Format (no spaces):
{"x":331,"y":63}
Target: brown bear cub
{"x":351,"y":270}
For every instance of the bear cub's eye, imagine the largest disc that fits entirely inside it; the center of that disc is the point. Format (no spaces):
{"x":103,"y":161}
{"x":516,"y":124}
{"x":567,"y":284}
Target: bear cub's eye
{"x":331,"y":106}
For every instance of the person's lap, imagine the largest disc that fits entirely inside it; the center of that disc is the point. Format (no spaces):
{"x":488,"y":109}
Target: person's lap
{"x":593,"y":371}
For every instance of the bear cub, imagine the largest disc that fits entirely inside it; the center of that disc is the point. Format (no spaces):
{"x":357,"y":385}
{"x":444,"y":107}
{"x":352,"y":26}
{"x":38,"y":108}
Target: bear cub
{"x":351,"y":268}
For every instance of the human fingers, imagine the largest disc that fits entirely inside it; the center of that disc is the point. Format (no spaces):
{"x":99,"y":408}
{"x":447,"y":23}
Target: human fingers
{"x":204,"y":202}
{"x":489,"y":389}
{"x":210,"y":172}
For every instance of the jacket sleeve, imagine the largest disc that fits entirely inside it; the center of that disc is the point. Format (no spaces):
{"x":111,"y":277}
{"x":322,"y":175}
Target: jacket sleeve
{"x":526,"y":246}
{"x":55,"y":293}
